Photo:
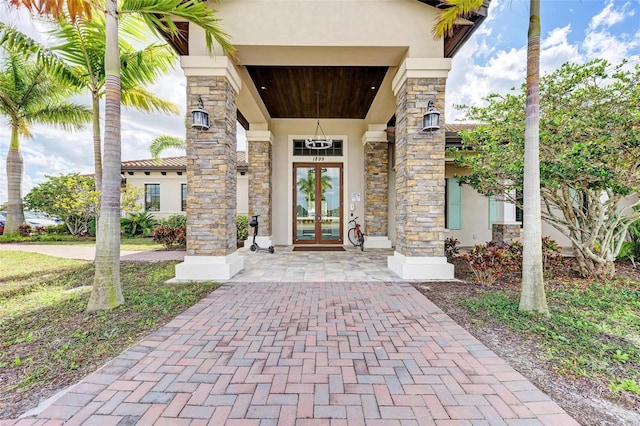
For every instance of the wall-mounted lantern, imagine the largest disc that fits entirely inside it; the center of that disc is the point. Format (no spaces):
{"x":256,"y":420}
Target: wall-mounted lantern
{"x":200,"y":117}
{"x":431,"y":118}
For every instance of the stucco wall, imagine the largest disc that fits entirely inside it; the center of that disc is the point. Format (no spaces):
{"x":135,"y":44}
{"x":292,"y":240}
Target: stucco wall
{"x":170,"y":191}
{"x":273,"y":23}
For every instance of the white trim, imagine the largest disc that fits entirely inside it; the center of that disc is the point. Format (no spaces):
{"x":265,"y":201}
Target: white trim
{"x":420,"y":68}
{"x":377,"y":242}
{"x":211,"y":66}
{"x":309,"y":159}
{"x":208,"y":268}
{"x":420,"y":267}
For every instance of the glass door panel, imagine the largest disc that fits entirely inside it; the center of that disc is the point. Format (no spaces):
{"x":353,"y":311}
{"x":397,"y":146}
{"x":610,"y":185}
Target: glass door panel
{"x":330,"y":204}
{"x":305,"y":202}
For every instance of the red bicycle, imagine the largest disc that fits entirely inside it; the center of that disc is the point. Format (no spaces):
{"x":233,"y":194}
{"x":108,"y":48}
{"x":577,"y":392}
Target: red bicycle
{"x":355,"y":235}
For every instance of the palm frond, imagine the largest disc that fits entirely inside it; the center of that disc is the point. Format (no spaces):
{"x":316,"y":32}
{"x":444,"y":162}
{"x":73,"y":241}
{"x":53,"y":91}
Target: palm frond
{"x":146,"y":66}
{"x":66,"y":115}
{"x":144,"y":100}
{"x":165,"y":142}
{"x":447,"y":16}
{"x":15,"y":41}
{"x":160,"y":15}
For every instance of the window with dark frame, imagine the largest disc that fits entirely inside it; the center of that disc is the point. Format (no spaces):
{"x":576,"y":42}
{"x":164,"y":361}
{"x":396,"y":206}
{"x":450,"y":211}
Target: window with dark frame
{"x":300,"y":149}
{"x":152,"y":197}
{"x":184,"y":197}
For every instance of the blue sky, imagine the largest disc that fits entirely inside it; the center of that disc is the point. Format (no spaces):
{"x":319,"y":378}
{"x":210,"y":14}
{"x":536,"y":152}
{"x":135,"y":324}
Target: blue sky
{"x":492,"y":61}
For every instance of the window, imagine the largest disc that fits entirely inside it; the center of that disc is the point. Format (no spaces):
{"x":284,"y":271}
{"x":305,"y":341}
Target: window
{"x":453,"y":204}
{"x":519,"y":211}
{"x":184,"y":197}
{"x":300,"y":149}
{"x":493,"y":210}
{"x":152,"y":197}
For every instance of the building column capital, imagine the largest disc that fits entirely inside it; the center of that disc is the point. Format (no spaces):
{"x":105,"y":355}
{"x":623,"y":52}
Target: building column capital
{"x":376,"y":133}
{"x":420,"y":68}
{"x":211,"y":66}
{"x":259,"y":136}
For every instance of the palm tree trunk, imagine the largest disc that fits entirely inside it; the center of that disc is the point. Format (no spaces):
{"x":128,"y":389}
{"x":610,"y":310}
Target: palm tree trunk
{"x":15,"y":213}
{"x":97,"y":142}
{"x":532,"y":297}
{"x":107,"y":292}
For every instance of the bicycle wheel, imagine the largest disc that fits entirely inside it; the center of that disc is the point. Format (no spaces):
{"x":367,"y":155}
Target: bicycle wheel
{"x":352,"y":237}
{"x":361,"y":240}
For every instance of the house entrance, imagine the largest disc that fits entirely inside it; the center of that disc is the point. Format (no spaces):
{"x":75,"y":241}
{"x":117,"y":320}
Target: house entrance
{"x":317,"y":201}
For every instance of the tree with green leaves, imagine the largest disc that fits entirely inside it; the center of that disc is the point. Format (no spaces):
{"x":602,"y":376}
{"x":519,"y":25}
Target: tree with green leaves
{"x":532,"y":295}
{"x":73,"y":198}
{"x":76,"y":51}
{"x":160,"y":16}
{"x":589,"y":157}
{"x":30,"y":95}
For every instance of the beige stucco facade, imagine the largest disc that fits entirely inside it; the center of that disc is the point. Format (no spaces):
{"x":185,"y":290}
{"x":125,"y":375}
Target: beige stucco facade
{"x":408,"y":178}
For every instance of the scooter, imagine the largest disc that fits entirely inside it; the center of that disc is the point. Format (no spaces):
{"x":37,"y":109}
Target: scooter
{"x":255,"y":247}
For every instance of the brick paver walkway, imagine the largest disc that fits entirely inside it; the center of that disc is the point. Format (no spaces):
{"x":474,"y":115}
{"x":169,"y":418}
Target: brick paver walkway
{"x":307,"y":354}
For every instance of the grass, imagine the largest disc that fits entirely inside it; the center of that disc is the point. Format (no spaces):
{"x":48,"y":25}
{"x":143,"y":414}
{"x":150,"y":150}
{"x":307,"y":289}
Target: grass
{"x":593,"y":330}
{"x":49,"y":341}
{"x":127,"y":244}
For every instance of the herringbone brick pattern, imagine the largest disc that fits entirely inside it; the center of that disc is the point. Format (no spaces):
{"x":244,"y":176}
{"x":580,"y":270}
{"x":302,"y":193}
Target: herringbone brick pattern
{"x":307,"y":354}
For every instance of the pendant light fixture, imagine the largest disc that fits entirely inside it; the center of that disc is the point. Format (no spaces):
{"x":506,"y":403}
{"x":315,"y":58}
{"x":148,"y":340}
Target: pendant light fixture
{"x":318,"y":142}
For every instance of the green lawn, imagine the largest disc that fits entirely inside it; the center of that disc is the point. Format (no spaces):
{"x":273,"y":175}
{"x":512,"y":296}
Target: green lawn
{"x":49,"y":341}
{"x":593,"y":330}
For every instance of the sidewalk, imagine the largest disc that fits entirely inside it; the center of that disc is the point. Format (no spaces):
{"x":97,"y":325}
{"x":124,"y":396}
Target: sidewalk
{"x":305,"y":353}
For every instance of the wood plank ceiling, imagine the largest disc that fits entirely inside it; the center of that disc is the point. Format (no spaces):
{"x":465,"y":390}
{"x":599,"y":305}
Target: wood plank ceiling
{"x":341,"y":92}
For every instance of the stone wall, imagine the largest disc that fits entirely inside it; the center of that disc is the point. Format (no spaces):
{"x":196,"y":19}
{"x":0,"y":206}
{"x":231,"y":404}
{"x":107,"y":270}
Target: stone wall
{"x":260,"y":191}
{"x":505,"y":233}
{"x":211,"y":169}
{"x":376,"y":188}
{"x":420,"y":178}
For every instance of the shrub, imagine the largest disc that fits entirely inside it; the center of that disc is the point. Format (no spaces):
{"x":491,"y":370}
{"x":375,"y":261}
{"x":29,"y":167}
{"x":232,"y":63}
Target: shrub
{"x":24,"y":230}
{"x":451,"y":248}
{"x":170,"y":237}
{"x":242,"y":227}
{"x":552,"y":259}
{"x":488,"y":262}
{"x":59,"y":229}
{"x":138,"y":224}
{"x":631,"y":247}
{"x":174,"y":221}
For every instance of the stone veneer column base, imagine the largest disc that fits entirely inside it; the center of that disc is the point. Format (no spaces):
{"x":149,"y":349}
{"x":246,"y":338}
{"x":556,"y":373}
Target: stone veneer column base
{"x":420,"y":267}
{"x":377,"y":242}
{"x":262,"y":240}
{"x":208,"y":268}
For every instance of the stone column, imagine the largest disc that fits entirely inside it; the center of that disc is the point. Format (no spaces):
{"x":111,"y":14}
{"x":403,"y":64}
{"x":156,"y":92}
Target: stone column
{"x":420,"y":178}
{"x":376,"y":186}
{"x":505,"y":229}
{"x":211,"y":172}
{"x":259,"y":143}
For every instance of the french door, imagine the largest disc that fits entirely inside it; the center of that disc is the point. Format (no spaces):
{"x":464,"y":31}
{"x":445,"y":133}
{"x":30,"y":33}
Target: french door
{"x":317,"y":203}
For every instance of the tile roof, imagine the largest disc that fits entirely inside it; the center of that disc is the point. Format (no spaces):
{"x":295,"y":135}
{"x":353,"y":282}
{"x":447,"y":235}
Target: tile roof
{"x":173,"y":163}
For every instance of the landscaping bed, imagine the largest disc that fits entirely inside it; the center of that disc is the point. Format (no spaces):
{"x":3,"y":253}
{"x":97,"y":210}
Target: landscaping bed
{"x":585,"y":355}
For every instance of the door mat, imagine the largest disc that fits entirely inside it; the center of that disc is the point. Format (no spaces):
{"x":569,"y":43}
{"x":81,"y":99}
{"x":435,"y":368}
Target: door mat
{"x":318,"y":248}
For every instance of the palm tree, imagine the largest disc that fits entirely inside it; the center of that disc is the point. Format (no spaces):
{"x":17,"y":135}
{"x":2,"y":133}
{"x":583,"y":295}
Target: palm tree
{"x":30,"y":95}
{"x":164,"y":142}
{"x":160,"y":16}
{"x":78,"y":55}
{"x":532,"y":295}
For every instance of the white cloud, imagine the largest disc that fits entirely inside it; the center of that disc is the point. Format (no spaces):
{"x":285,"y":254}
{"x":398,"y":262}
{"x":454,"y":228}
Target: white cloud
{"x":609,"y":16}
